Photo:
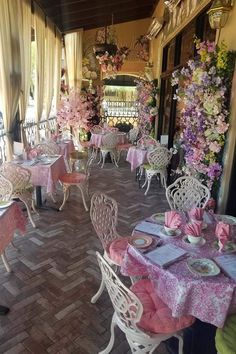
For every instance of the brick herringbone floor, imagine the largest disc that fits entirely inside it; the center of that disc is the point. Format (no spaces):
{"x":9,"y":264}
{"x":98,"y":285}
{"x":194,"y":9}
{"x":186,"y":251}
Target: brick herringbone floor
{"x":55,"y":273}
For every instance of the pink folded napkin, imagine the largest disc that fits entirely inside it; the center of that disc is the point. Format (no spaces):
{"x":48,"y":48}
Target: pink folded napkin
{"x":172,"y":219}
{"x":33,"y":153}
{"x":194,"y":228}
{"x":196,"y":213}
{"x":222,"y":232}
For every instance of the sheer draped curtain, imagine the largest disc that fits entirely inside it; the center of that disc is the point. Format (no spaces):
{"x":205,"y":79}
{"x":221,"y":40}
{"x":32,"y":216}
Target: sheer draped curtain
{"x":40,"y":33}
{"x":49,"y":68}
{"x":73,"y":51}
{"x":10,"y":66}
{"x":25,"y":24}
{"x":57,"y":64}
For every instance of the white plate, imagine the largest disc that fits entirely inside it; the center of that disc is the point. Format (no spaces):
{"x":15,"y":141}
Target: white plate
{"x":164,"y":234}
{"x":158,"y":217}
{"x":203,"y":266}
{"x":226,"y":218}
{"x":186,"y":241}
{"x":4,"y":204}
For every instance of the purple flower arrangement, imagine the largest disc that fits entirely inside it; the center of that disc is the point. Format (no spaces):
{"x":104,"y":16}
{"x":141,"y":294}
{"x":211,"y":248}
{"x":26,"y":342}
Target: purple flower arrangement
{"x":202,"y":89}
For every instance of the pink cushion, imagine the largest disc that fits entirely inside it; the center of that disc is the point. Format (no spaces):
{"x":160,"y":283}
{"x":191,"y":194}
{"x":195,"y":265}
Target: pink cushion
{"x":157,"y":316}
{"x":123,"y":146}
{"x":72,"y":178}
{"x":117,"y":248}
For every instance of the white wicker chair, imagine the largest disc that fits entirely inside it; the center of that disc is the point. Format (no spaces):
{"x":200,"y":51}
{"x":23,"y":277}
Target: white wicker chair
{"x":128,"y":311}
{"x":22,"y":189}
{"x":158,"y":160}
{"x":133,"y":135}
{"x":109,"y":143}
{"x":6,"y":189}
{"x":104,"y":214}
{"x":187,"y":192}
{"x":78,"y":179}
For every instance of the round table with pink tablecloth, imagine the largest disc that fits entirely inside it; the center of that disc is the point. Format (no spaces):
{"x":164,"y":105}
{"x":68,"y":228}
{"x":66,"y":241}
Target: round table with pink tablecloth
{"x":96,"y":138}
{"x":208,"y":298}
{"x":136,"y":157}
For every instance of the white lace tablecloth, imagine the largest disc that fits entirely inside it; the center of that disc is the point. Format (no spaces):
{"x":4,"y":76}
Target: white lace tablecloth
{"x":96,"y":139}
{"x":209,"y":299}
{"x":47,"y":175}
{"x":11,"y":219}
{"x":136,"y":157}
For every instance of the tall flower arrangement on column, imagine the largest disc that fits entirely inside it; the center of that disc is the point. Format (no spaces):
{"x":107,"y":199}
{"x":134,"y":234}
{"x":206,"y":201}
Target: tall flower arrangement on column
{"x":147,"y":104}
{"x":204,"y":88}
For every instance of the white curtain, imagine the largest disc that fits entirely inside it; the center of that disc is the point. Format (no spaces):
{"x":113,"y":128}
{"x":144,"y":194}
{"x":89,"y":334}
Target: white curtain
{"x":49,"y":68}
{"x":40,"y":33}
{"x":10,"y":66}
{"x":57,"y":63}
{"x":73,"y":50}
{"x":25,"y":27}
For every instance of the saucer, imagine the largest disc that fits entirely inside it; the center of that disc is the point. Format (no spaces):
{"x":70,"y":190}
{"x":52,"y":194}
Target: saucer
{"x":203,"y":267}
{"x":228,"y":248}
{"x":201,"y":243}
{"x":162,"y":232}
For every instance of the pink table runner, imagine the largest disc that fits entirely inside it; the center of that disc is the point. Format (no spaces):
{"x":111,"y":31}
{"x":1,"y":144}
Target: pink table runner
{"x":136,"y":157}
{"x":11,"y":219}
{"x":209,"y":299}
{"x":47,"y":175}
{"x":96,"y":139}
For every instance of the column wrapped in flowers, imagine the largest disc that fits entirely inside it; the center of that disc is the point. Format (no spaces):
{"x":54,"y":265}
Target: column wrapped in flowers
{"x":147,"y":105}
{"x":204,"y":89}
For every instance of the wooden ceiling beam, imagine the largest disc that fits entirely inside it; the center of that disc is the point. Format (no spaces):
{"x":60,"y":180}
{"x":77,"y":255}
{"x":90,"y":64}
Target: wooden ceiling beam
{"x":98,"y":23}
{"x":102,"y":8}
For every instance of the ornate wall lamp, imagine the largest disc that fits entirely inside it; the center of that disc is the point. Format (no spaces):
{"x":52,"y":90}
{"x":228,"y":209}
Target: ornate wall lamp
{"x":219,"y":13}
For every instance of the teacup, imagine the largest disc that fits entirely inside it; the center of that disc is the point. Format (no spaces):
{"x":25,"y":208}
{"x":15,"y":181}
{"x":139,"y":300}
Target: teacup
{"x":170,"y":231}
{"x":194,"y":239}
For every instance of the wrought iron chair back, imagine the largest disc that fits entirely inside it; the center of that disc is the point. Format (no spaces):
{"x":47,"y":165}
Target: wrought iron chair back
{"x":127,"y":306}
{"x":103,"y":214}
{"x":109,"y":141}
{"x":147,"y":141}
{"x":187,"y":192}
{"x":159,"y":157}
{"x":49,"y":148}
{"x":6,"y":189}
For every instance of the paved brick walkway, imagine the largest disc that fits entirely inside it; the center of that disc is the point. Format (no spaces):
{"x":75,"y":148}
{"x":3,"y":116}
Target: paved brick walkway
{"x":55,"y":273}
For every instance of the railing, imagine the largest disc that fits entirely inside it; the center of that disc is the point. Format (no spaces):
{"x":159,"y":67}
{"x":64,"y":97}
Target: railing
{"x":116,"y":112}
{"x":30,"y":128}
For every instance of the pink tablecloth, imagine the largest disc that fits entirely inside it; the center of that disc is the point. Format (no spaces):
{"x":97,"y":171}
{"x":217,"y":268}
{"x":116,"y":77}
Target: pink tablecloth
{"x":209,"y":299}
{"x":66,"y":147}
{"x":11,"y":219}
{"x":47,"y":175}
{"x":136,"y":157}
{"x":96,"y":139}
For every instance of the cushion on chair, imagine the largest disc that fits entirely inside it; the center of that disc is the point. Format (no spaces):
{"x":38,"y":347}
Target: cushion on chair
{"x":117,"y":248}
{"x":124,"y":146}
{"x":157,"y":316}
{"x":72,"y":178}
{"x":226,"y":337}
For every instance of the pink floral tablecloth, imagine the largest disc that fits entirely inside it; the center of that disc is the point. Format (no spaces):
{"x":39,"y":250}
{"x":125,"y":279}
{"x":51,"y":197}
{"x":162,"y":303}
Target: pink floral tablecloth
{"x":66,"y":147}
{"x":96,"y":139}
{"x":47,"y":175}
{"x":11,"y":219}
{"x":136,"y":157}
{"x":209,"y":299}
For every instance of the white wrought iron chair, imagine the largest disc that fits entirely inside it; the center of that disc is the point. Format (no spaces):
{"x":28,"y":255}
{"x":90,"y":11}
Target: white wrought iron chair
{"x":133,"y":135}
{"x":6,"y":190}
{"x":48,"y":148}
{"x":128,"y":313}
{"x":158,"y":160}
{"x":147,"y":141}
{"x":187,"y":192}
{"x":22,"y":189}
{"x":109,"y":144}
{"x":104,"y":214}
{"x":78,"y":179}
